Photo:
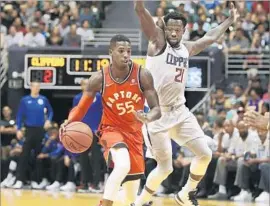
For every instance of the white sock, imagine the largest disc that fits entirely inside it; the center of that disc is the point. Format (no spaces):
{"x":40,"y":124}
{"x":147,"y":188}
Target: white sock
{"x":154,"y":179}
{"x":143,"y":198}
{"x":222,"y":189}
{"x":130,"y":189}
{"x":121,"y":168}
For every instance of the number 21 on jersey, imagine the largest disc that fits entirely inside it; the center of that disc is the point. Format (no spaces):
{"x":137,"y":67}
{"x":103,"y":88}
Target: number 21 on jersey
{"x":180,"y":75}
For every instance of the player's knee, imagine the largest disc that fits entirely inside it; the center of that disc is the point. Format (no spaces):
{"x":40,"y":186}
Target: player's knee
{"x":206,"y":156}
{"x":165,"y":170}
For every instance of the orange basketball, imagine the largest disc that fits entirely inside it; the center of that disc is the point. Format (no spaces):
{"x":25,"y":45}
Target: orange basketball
{"x":77,"y":137}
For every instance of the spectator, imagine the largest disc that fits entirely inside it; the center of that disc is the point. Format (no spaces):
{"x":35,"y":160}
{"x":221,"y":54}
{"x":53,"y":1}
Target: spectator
{"x":15,"y":152}
{"x":255,"y":102}
{"x":55,"y":38}
{"x":64,"y":168}
{"x":248,"y":25}
{"x":85,"y":31}
{"x":199,"y":33}
{"x":218,"y":101}
{"x":249,"y":165}
{"x":64,"y":28}
{"x":204,"y":125}
{"x":31,"y":110}
{"x":239,"y":43}
{"x":19,"y":25}
{"x":50,"y":153}
{"x":72,"y":38}
{"x":14,"y":37}
{"x":86,"y":14}
{"x":43,"y":29}
{"x":264,"y":183}
{"x":238,"y":96}
{"x":7,"y":15}
{"x":7,"y":131}
{"x":246,"y":141}
{"x":34,"y":38}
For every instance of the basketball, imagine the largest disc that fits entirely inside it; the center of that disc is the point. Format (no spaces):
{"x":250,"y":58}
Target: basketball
{"x":77,"y":137}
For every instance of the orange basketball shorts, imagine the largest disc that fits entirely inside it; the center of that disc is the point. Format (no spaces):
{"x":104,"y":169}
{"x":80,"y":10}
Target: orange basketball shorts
{"x":132,"y":141}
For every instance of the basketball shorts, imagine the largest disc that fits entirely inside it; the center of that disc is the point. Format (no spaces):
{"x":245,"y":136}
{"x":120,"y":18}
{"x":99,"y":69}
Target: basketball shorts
{"x":111,"y":138}
{"x":178,"y":124}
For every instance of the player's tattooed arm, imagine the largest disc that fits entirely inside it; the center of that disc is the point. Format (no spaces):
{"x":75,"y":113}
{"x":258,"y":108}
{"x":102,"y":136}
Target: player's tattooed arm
{"x":153,"y":33}
{"x":214,"y":34}
{"x":94,"y":85}
{"x":147,"y":84}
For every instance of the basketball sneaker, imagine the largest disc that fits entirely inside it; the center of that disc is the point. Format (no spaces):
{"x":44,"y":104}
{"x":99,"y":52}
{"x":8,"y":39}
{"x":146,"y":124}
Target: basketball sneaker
{"x":187,"y":200}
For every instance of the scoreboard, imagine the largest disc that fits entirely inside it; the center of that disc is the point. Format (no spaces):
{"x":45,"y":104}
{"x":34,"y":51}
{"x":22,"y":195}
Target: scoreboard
{"x":60,"y":71}
{"x":64,"y":71}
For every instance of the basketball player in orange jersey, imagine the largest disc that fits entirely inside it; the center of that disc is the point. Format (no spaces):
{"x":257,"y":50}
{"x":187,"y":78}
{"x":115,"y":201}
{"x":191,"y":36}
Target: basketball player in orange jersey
{"x":124,"y":85}
{"x":167,"y":60}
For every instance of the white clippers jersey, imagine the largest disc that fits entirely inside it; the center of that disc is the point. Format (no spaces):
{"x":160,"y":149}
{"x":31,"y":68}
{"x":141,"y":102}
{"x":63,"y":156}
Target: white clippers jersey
{"x":170,"y":73}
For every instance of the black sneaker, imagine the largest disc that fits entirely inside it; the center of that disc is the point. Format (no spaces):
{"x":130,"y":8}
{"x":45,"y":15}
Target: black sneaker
{"x":191,"y":200}
{"x":148,"y":204}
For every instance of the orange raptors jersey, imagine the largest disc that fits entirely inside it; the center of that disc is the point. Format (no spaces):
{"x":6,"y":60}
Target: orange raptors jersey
{"x":120,"y":99}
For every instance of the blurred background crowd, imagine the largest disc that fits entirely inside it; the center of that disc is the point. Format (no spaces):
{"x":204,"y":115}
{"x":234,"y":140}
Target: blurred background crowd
{"x":38,"y":23}
{"x":241,"y":162}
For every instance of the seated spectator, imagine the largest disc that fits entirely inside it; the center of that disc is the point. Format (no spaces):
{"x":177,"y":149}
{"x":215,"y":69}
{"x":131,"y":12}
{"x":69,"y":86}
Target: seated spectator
{"x":50,"y":153}
{"x":238,"y":96}
{"x":264,"y":183}
{"x":239,"y":43}
{"x":34,"y":38}
{"x":19,"y":25}
{"x":199,"y":33}
{"x":7,"y":131}
{"x":255,"y":102}
{"x":64,"y":168}
{"x":14,"y":37}
{"x":72,"y":38}
{"x":204,"y":125}
{"x":43,"y":29}
{"x":218,"y":100}
{"x":248,"y":25}
{"x":55,"y":38}
{"x":249,"y":165}
{"x":246,"y":142}
{"x":64,"y":28}
{"x":15,"y":152}
{"x":85,"y":31}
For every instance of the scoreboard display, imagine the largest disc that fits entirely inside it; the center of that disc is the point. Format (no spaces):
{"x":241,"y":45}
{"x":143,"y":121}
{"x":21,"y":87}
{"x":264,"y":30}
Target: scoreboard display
{"x":66,"y":71}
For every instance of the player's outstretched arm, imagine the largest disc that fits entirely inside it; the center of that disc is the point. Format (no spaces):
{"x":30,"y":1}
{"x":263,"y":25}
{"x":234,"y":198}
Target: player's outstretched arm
{"x":147,"y":84}
{"x":94,"y":85}
{"x":214,"y":34}
{"x":149,"y":28}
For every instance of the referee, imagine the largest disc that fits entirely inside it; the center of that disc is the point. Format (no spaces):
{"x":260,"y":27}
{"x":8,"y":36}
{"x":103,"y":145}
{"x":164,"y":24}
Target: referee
{"x":31,"y":114}
{"x":92,"y":119}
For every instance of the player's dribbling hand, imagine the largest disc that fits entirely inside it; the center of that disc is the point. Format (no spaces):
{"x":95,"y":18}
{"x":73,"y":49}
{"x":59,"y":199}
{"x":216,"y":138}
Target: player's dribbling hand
{"x":62,"y":129}
{"x":141,"y":116}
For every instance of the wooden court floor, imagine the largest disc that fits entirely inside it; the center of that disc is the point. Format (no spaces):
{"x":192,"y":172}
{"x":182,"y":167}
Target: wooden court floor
{"x":11,"y":197}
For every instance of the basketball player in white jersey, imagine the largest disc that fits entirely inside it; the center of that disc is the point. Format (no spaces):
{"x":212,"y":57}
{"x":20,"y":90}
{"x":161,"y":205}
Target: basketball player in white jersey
{"x":167,"y":60}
